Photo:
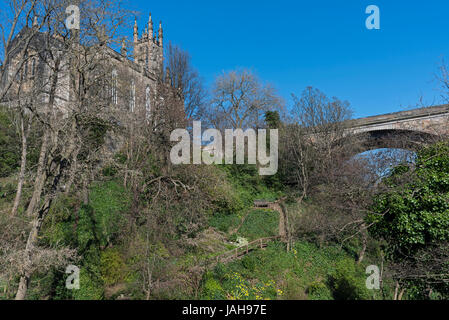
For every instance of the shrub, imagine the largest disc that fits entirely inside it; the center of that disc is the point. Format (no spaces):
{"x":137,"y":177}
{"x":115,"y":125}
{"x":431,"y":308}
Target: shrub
{"x":112,"y":266}
{"x":212,"y":290}
{"x":237,"y":288}
{"x":7,"y":191}
{"x":109,"y":171}
{"x":250,"y":262}
{"x":348,"y":281}
{"x":108,"y":201}
{"x":90,"y":287}
{"x":224,"y":222}
{"x":317,"y":290}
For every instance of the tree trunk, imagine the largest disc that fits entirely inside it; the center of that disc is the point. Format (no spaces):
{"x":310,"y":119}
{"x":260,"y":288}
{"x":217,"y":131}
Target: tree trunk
{"x":22,"y":164}
{"x":401,"y":294}
{"x":23,"y":287}
{"x":40,"y":176}
{"x":37,"y":223}
{"x":39,"y":184}
{"x":41,"y":172}
{"x":365,"y":241}
{"x":31,"y":243}
{"x":396,"y":291}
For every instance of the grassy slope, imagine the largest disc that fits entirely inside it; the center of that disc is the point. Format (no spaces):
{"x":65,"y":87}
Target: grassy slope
{"x":304,"y":273}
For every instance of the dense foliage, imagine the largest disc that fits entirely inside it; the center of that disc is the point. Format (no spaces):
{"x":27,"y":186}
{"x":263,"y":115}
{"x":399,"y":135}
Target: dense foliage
{"x":412,"y":216}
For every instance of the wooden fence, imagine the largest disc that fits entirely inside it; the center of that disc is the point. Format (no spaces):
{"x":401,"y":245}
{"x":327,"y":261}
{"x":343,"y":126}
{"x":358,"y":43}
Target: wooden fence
{"x":241,"y":251}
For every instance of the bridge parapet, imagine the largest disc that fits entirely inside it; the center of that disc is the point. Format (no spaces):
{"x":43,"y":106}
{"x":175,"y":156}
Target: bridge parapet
{"x":432,"y":120}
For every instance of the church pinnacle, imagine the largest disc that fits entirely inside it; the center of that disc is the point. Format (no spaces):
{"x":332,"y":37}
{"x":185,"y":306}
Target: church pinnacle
{"x":150,"y":28}
{"x":136,"y":31}
{"x":161,"y":34}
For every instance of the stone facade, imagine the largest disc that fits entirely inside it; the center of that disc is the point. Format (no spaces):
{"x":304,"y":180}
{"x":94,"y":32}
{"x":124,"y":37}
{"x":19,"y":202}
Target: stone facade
{"x":406,"y":129}
{"x":431,"y":120}
{"x":131,"y":84}
{"x":148,"y":52}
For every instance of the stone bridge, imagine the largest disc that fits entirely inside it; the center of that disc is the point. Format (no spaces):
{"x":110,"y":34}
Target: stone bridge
{"x":404,"y":129}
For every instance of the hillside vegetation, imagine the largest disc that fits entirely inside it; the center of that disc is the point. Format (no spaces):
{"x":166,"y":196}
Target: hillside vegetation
{"x":131,"y":245}
{"x":97,"y":181}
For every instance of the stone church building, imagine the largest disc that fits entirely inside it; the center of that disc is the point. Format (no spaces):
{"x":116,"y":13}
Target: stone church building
{"x":131,"y":85}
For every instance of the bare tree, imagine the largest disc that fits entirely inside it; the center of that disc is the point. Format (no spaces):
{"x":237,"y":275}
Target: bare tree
{"x":314,"y":153}
{"x":17,"y":58}
{"x":240,"y":100}
{"x":443,"y":79}
{"x":75,"y":64}
{"x":21,"y":96}
{"x":186,"y":79}
{"x":25,"y":128}
{"x":313,"y":138}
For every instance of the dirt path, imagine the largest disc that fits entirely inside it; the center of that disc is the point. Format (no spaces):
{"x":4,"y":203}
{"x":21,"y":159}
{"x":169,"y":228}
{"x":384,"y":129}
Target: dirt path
{"x":282,"y":230}
{"x":276,"y":206}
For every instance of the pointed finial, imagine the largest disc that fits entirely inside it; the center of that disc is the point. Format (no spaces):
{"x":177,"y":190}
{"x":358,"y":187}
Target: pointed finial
{"x":123,"y":49}
{"x":150,"y":28}
{"x":136,"y":31}
{"x":161,"y":34}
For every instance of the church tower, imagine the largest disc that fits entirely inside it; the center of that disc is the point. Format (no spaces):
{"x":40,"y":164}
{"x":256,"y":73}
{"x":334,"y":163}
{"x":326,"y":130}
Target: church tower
{"x":148,"y":49}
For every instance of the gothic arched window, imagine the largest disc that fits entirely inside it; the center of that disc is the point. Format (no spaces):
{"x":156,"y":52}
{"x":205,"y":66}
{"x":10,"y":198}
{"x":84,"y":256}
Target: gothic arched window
{"x":132,"y":96}
{"x":25,"y":70}
{"x":33,"y":67}
{"x":114,"y":86}
{"x":148,"y":102}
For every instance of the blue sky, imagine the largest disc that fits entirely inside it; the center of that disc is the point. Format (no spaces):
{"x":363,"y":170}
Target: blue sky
{"x":320,"y":43}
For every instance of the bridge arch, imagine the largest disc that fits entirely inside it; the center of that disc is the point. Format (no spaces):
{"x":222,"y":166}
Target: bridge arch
{"x":411,"y":140}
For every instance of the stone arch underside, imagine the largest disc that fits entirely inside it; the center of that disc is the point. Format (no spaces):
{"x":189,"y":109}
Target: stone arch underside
{"x":390,"y":138}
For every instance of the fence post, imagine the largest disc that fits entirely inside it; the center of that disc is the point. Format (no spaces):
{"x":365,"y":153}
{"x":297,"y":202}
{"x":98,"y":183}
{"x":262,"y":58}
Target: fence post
{"x":261,"y":241}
